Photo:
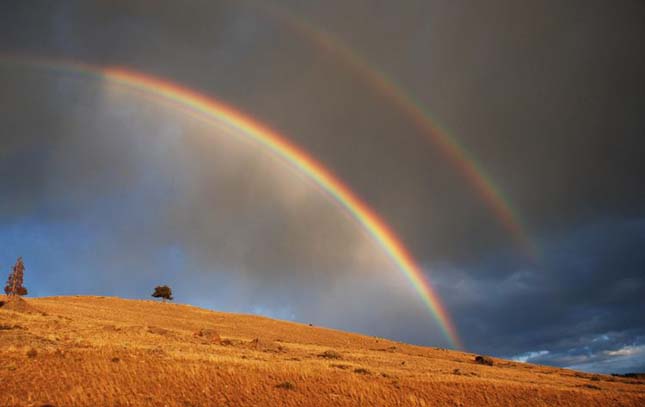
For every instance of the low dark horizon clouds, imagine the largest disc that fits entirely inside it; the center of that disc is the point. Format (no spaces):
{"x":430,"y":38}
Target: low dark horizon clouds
{"x":105,"y":191}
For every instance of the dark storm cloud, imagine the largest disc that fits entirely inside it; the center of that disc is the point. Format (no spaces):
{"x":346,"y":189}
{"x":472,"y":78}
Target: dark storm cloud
{"x":582,"y":302}
{"x":526,"y":87}
{"x":254,"y":61}
{"x":613,"y":352}
{"x":547,"y":97}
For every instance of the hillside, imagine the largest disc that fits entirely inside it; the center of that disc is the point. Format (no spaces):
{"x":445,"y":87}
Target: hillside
{"x":102,"y":351}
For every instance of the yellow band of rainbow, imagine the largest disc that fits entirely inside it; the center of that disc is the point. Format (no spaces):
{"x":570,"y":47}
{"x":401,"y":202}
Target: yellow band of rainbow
{"x":282,"y":147}
{"x":449,"y":146}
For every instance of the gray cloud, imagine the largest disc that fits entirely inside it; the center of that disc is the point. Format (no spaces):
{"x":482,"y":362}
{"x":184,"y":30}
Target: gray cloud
{"x":130,"y":185}
{"x":578,"y":307}
{"x":546,"y":96}
{"x":524,"y":87}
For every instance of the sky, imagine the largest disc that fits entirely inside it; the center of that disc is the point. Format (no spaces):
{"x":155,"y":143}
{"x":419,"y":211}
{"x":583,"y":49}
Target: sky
{"x":110,"y":191}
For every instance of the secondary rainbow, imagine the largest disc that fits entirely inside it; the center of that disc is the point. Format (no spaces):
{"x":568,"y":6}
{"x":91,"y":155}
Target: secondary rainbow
{"x":449,"y":146}
{"x":282,"y":147}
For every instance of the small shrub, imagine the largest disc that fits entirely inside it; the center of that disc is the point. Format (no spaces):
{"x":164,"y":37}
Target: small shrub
{"x":164,"y":292}
{"x":32,"y":353}
{"x":390,"y":349}
{"x":630,"y":375}
{"x":116,"y":360}
{"x":483,"y":360}
{"x":264,"y":346}
{"x":157,"y":351}
{"x":330,"y":354}
{"x":158,"y":331}
{"x":341,"y":366}
{"x":286,"y":386}
{"x":209,"y":334}
{"x":7,"y":327}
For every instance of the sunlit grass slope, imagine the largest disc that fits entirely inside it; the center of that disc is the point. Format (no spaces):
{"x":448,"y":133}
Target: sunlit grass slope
{"x":102,"y":351}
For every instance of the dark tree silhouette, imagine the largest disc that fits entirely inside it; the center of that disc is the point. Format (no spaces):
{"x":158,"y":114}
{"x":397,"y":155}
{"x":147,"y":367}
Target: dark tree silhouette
{"x":164,"y":292}
{"x":14,"y":282}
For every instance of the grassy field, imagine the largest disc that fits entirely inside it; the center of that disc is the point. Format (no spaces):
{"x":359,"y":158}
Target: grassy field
{"x":103,"y":351}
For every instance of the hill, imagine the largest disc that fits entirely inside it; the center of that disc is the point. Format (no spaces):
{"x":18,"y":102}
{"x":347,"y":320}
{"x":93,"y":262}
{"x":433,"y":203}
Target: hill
{"x":102,"y":351}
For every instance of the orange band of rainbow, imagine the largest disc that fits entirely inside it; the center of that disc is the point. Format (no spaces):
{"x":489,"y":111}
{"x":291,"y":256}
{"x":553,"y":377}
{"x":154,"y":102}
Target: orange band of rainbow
{"x":282,"y":147}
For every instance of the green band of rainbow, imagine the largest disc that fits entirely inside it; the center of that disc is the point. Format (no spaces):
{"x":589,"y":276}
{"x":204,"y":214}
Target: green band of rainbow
{"x":448,"y":145}
{"x":282,"y":147}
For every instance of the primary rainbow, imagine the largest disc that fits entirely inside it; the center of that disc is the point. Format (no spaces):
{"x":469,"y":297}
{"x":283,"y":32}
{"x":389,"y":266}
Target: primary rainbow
{"x":282,"y":147}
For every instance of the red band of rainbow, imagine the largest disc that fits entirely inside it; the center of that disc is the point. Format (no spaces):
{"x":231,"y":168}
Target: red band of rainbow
{"x":282,"y":147}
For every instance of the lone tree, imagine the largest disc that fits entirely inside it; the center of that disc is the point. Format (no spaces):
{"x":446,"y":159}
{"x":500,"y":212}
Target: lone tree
{"x":14,"y":282}
{"x":164,"y":292}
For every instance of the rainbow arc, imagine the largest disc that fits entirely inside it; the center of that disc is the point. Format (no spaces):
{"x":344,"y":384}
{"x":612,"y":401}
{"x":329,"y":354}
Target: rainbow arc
{"x":279,"y":145}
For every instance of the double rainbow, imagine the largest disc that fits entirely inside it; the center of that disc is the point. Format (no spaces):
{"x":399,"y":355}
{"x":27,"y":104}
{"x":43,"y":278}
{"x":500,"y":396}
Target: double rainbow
{"x":449,"y":146}
{"x":219,"y":112}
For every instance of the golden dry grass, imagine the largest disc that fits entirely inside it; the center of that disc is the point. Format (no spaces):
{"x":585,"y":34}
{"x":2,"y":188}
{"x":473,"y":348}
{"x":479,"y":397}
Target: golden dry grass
{"x":101,"y":351}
